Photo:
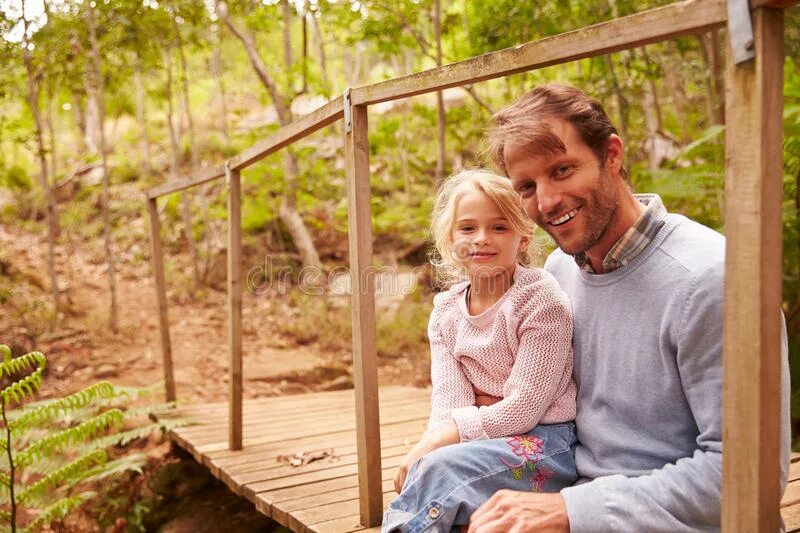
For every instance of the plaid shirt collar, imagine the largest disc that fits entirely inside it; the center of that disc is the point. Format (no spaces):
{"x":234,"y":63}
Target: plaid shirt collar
{"x":635,"y":239}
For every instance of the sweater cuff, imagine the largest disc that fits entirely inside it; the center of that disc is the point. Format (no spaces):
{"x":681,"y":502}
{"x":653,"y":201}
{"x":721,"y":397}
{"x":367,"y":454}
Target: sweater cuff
{"x":585,"y":508}
{"x":468,"y":421}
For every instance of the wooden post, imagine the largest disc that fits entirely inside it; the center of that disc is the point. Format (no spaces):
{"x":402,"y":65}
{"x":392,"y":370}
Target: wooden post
{"x":753,"y":264}
{"x":161,"y":298}
{"x":362,"y":285}
{"x":233,"y":178}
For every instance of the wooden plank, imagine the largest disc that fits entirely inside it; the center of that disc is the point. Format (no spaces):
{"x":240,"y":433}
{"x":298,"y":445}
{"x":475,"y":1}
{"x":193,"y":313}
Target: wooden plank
{"x":303,"y":127}
{"x":203,"y":176}
{"x":234,"y":179}
{"x":791,"y":517}
{"x":161,"y":299}
{"x":682,"y":18}
{"x":286,"y":412}
{"x":256,"y":456}
{"x":792,"y":495}
{"x":280,"y":513}
{"x":307,"y":519}
{"x":407,"y":414}
{"x":752,"y":336}
{"x":271,"y":469}
{"x":365,"y":369}
{"x":249,"y":491}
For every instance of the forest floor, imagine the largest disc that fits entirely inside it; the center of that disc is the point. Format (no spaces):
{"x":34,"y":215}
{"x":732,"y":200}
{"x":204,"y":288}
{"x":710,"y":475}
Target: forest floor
{"x":82,"y":351}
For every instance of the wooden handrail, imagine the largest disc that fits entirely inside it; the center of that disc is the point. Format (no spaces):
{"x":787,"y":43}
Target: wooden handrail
{"x":659,"y":24}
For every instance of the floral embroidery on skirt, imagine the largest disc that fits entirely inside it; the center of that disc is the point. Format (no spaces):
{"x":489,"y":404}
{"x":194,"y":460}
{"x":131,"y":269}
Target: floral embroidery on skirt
{"x":529,"y":450}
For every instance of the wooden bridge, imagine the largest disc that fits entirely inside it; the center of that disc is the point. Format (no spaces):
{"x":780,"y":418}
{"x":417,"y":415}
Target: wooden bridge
{"x":322,"y":495}
{"x":372,"y":439}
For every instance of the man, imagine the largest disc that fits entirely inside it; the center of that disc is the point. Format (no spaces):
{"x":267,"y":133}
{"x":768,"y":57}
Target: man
{"x":647,"y":289}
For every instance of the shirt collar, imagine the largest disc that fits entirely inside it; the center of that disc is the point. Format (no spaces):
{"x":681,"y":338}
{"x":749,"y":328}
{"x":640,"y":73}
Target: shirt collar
{"x":635,"y":240}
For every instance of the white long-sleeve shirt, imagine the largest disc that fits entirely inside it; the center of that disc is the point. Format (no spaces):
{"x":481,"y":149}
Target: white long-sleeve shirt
{"x":519,"y":350}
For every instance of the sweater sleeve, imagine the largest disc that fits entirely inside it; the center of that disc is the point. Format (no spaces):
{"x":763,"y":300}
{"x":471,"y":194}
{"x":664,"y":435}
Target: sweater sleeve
{"x":542,"y":364}
{"x":450,"y":387}
{"x":685,"y":495}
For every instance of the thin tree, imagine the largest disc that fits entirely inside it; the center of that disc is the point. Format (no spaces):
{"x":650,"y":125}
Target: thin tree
{"x":51,"y":216}
{"x":97,"y":83}
{"x":442,"y":122}
{"x":288,"y":210}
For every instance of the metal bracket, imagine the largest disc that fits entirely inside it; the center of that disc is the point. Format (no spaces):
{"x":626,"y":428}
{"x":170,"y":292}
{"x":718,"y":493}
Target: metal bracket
{"x":348,"y":112}
{"x":741,"y":31}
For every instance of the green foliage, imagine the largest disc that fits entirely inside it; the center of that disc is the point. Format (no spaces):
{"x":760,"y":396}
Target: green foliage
{"x":16,"y":179}
{"x":51,"y":448}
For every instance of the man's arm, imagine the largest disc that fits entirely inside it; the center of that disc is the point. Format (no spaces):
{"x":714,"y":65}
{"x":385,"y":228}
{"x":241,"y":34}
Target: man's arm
{"x":683,"y":496}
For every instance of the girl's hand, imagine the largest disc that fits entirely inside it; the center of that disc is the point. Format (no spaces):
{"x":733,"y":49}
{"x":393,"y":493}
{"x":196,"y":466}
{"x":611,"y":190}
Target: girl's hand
{"x":444,"y":435}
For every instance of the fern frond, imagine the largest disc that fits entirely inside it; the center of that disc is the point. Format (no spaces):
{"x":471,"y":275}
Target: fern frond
{"x":147,"y":410}
{"x":29,"y":361}
{"x":72,"y":472}
{"x":139,"y":392}
{"x":58,"y":510}
{"x":62,"y":406}
{"x":26,"y":387}
{"x":133,"y":462}
{"x":62,"y":439}
{"x":120,"y":439}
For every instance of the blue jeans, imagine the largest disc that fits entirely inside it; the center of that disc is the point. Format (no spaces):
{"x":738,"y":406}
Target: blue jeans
{"x":445,"y":487}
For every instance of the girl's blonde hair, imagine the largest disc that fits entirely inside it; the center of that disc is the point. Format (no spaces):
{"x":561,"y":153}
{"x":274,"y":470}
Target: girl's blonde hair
{"x":499,"y":190}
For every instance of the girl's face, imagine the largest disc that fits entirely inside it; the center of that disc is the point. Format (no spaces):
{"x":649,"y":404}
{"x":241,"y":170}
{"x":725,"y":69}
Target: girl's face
{"x":484,"y":242}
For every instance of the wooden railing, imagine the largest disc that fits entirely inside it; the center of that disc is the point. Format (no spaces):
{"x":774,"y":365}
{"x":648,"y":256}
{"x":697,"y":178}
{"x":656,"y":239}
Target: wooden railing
{"x":751,"y":396}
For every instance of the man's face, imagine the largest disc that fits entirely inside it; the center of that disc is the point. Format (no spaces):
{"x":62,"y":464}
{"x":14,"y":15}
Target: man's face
{"x":570,"y":195}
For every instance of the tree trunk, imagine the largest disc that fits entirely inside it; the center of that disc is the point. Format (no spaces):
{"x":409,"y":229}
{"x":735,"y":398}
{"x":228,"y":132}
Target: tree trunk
{"x":186,"y":211}
{"x":141,"y":117}
{"x":97,"y":83}
{"x":442,"y":117}
{"x":91,"y":120}
{"x":50,"y":204}
{"x":326,"y":85}
{"x":51,"y":131}
{"x":288,"y":211}
{"x":216,"y":67}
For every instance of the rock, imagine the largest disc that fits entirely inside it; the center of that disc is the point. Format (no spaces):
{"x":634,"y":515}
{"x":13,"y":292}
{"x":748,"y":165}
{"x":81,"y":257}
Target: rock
{"x":340,"y":383}
{"x":107,"y":370}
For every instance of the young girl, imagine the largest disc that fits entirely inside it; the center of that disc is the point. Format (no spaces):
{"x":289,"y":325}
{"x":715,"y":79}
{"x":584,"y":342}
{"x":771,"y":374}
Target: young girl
{"x":501,"y":366}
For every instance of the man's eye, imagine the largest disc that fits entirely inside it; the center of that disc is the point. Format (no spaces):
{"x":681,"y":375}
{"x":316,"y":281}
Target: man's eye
{"x":563,"y":170}
{"x":526,"y":188}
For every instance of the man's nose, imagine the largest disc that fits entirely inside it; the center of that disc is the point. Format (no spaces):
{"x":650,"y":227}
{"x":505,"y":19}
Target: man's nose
{"x":548,"y":197}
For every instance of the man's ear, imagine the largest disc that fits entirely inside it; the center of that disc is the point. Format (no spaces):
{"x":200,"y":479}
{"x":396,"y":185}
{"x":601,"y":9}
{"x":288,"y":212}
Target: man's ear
{"x":614,"y":154}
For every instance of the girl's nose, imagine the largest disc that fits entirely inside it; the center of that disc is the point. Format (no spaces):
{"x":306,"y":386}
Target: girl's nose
{"x":481,"y":237}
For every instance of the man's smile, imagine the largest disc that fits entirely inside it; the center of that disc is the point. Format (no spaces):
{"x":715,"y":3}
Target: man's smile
{"x":566,"y":217}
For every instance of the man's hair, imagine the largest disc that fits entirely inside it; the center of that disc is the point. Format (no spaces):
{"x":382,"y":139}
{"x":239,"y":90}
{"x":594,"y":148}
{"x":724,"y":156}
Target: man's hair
{"x":499,"y":190}
{"x":520,"y":124}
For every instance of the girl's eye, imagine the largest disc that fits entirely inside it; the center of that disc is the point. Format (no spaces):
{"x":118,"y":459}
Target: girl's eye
{"x":465,"y":229}
{"x":500,"y":228}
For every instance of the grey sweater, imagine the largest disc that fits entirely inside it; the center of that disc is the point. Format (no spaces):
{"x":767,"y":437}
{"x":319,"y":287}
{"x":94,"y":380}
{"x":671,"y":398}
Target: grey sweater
{"x":648,"y":365}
